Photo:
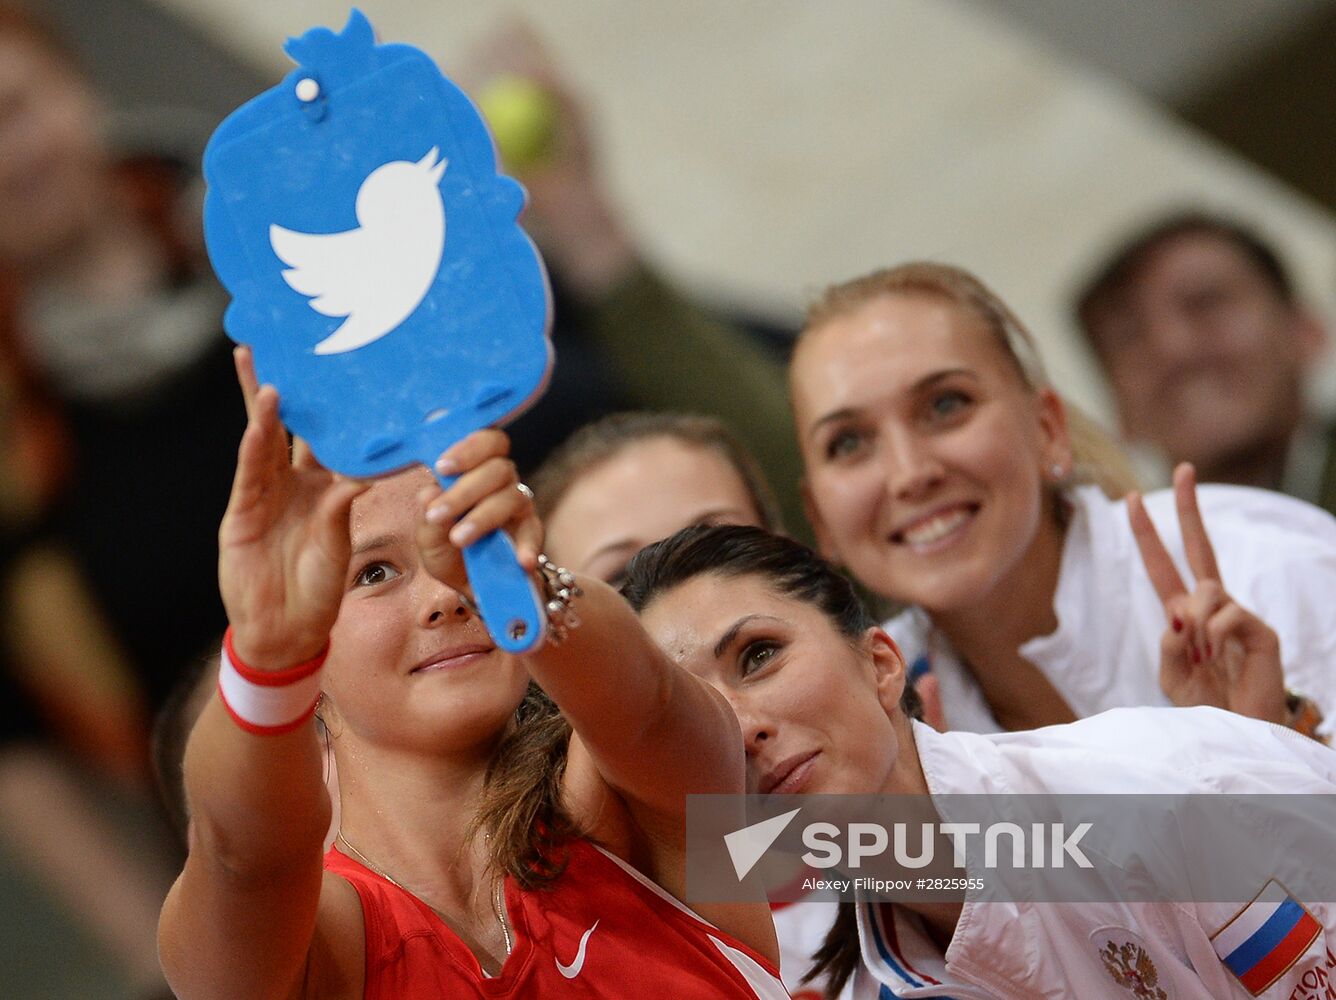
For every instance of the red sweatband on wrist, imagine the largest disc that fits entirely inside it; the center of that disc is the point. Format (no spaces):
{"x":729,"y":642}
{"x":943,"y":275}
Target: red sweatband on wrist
{"x":268,"y":702}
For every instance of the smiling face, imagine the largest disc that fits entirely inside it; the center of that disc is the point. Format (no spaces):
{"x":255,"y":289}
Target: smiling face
{"x":926,"y":453}
{"x":1205,"y":356}
{"x":815,"y":707}
{"x":648,"y":490}
{"x":408,"y":661}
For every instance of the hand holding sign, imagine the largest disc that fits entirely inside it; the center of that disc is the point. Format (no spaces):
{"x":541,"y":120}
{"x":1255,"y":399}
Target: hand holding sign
{"x":1215,"y":651}
{"x":283,"y":545}
{"x":356,"y":215}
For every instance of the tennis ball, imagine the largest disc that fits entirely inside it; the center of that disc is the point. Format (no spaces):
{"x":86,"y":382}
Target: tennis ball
{"x":523,"y":119}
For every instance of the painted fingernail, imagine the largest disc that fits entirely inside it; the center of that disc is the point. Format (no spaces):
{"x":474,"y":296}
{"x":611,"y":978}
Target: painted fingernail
{"x":438,"y":513}
{"x":1178,"y":624}
{"x":463,"y":534}
{"x":1196,"y":655}
{"x":446,"y":466}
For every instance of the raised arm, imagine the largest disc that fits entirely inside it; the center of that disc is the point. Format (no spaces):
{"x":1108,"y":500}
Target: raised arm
{"x":654,"y":731}
{"x":242,"y":918}
{"x":646,"y":733}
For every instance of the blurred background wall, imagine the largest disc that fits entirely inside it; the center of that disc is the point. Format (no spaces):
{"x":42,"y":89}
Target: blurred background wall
{"x":760,"y":151}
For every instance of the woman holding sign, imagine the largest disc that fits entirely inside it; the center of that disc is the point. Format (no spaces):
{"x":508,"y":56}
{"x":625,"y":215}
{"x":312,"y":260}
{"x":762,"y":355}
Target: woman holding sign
{"x":946,"y":473}
{"x":489,"y":845}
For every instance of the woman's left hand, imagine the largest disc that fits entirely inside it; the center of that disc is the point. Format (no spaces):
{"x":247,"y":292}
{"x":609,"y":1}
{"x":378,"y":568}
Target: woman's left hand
{"x":485,"y":497}
{"x":1215,"y":651}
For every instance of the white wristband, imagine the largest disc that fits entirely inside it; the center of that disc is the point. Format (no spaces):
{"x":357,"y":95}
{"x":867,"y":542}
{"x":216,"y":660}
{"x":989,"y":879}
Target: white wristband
{"x":268,"y":702}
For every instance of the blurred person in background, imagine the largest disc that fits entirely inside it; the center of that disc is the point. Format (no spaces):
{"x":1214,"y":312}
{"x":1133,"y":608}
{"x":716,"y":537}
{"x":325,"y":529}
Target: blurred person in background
{"x":111,"y":348}
{"x":114,"y":326}
{"x":1207,"y":347}
{"x":620,"y":483}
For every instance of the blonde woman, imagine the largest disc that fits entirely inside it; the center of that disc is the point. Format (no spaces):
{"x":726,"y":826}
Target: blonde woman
{"x":946,"y":473}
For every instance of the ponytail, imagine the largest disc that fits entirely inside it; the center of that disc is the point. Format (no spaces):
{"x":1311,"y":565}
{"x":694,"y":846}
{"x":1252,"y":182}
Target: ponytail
{"x":521,"y":812}
{"x":1096,"y":457}
{"x":840,"y":954}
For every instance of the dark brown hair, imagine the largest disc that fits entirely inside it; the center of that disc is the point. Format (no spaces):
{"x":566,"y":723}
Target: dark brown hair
{"x":1097,"y":457}
{"x":1123,"y":267}
{"x":788,"y":567}
{"x":838,"y":957}
{"x":604,"y":439}
{"x":521,"y":809}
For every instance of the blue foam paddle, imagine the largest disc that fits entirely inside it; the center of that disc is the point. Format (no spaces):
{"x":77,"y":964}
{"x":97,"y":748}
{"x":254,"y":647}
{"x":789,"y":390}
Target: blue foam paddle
{"x":356,"y":214}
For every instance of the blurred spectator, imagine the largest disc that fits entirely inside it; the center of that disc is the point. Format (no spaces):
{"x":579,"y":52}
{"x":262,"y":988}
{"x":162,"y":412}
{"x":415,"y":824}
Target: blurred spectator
{"x":113,"y":324}
{"x":1198,"y":327}
{"x":113,"y":370}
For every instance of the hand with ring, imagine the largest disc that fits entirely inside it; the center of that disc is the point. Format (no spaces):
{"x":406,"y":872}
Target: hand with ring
{"x":486,"y":495}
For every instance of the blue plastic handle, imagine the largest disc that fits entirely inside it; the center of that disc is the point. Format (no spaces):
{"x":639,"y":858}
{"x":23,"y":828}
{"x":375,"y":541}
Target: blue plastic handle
{"x":505,"y":594}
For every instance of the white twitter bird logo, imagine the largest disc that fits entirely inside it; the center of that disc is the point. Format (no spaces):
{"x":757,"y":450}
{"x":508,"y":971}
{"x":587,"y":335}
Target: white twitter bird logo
{"x":377,"y":274}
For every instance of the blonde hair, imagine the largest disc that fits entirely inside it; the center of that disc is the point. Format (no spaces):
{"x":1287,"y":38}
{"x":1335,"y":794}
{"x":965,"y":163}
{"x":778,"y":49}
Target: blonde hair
{"x":1097,"y":458}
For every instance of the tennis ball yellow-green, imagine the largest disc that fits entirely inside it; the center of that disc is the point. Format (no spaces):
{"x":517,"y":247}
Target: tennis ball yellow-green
{"x":523,"y":119}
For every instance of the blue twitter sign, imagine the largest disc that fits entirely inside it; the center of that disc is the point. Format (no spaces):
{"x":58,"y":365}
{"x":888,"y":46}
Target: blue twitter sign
{"x":356,"y":214}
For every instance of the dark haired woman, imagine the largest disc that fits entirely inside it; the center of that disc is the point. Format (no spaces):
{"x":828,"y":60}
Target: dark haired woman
{"x":818,"y":690}
{"x":489,"y":846}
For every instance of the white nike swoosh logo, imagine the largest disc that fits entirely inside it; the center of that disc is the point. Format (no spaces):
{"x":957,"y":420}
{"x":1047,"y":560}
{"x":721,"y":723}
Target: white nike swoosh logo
{"x":573,"y":970}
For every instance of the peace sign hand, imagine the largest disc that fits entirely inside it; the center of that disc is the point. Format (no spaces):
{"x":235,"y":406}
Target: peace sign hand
{"x":1215,"y":651}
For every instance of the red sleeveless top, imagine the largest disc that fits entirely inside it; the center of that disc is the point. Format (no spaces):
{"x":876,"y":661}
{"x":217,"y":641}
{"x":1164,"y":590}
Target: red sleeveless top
{"x":602,"y":930}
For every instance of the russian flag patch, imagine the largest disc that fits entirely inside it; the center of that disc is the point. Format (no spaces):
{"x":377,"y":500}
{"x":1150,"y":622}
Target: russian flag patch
{"x":1266,"y":937}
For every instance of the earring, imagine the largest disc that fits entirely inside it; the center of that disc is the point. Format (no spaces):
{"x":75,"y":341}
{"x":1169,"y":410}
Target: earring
{"x":1057,"y":471}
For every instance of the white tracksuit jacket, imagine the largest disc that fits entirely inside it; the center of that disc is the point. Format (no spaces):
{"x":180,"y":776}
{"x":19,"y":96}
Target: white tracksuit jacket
{"x":1149,"y":951}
